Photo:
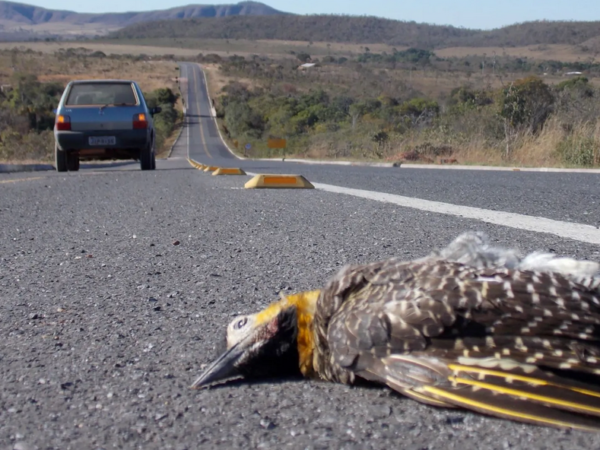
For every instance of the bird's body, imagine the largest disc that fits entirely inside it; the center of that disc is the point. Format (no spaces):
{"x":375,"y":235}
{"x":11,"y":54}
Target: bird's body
{"x":481,"y":329}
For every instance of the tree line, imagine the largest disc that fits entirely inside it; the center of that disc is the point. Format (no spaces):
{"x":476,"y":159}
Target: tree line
{"x":366,"y":30}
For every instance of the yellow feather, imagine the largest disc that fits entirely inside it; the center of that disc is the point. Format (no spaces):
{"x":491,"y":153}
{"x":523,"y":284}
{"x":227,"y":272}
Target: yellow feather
{"x":519,"y":393}
{"x":305,"y":304}
{"x":529,"y":380}
{"x":506,"y":412}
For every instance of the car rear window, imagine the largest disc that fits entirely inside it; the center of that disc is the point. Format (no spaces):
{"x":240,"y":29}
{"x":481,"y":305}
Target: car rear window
{"x":101,"y":94}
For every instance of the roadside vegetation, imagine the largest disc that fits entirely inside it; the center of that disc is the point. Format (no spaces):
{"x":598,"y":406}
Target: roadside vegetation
{"x":412,"y":106}
{"x":32,"y":83}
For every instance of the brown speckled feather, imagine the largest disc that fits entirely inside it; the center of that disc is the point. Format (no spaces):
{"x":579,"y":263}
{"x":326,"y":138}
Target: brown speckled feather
{"x":508,"y":343}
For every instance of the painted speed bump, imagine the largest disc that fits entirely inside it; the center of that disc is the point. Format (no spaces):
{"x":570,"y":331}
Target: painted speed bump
{"x":277,"y":181}
{"x":196,"y":165}
{"x":228,"y":171}
{"x":210,"y":168}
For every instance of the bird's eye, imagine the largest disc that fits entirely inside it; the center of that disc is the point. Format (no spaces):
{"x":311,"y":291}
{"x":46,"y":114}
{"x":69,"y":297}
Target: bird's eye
{"x":240,"y":323}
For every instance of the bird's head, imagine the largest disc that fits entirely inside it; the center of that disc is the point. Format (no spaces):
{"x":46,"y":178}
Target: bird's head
{"x":275,"y":341}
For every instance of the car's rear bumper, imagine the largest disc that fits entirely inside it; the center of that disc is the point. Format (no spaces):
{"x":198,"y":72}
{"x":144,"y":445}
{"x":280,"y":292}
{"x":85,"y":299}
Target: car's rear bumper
{"x":124,"y":139}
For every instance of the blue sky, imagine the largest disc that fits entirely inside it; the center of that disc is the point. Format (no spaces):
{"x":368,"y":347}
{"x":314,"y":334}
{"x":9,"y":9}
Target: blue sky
{"x":484,"y":14}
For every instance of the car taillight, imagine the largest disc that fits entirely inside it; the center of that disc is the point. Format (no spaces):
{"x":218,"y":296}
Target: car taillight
{"x":140,"y":122}
{"x":63,"y":123}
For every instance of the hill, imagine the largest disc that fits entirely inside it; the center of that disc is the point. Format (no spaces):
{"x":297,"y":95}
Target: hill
{"x":365,"y":30}
{"x":251,"y":20}
{"x":21,"y":18}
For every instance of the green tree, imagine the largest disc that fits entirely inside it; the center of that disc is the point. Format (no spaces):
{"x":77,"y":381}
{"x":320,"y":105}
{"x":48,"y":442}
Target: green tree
{"x":359,"y":109}
{"x":579,"y":86}
{"x":303,"y":57}
{"x":161,"y":96}
{"x":526,"y":103}
{"x":34,"y":100}
{"x":419,"y":110}
{"x":241,"y":120}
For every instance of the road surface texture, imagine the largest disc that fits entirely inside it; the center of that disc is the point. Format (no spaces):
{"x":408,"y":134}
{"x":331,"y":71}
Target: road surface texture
{"x":116,"y":286}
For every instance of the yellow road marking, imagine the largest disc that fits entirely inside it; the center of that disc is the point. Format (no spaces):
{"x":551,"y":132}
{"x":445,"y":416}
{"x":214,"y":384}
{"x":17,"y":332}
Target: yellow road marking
{"x":278,"y":181}
{"x":229,"y":171}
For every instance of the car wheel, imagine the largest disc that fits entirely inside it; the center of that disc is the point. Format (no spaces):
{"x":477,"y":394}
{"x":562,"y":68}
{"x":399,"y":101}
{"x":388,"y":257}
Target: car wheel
{"x":60,"y":159}
{"x":146,"y":157}
{"x":73,"y":162}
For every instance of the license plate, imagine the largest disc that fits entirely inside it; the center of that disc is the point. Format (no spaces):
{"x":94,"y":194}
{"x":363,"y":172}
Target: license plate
{"x":102,"y":140}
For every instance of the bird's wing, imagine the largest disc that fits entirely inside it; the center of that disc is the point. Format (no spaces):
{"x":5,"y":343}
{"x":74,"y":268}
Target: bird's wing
{"x":507,"y":343}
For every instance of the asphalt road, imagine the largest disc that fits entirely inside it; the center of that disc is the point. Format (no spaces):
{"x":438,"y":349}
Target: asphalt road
{"x":116,"y":286}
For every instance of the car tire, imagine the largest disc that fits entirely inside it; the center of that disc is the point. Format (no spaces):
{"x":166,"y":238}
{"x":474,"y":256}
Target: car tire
{"x":153,"y":155}
{"x":73,"y":162}
{"x":147,"y":161}
{"x":61,"y":159}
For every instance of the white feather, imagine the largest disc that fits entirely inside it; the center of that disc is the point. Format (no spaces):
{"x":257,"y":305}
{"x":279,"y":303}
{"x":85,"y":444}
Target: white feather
{"x":474,"y":249}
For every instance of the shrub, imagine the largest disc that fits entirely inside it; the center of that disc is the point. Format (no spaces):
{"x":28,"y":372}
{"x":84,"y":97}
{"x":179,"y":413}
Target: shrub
{"x":579,"y":151}
{"x":526,"y":103}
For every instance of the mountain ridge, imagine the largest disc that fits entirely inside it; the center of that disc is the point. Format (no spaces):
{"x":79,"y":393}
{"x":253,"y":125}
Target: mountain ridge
{"x":35,"y":19}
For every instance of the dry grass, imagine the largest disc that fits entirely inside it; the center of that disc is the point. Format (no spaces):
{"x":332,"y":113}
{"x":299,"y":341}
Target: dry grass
{"x":273,"y":48}
{"x":566,"y":53}
{"x":230,"y":46}
{"x":527,"y":150}
{"x":280,"y":48}
{"x":169,"y":142}
{"x":147,"y":47}
{"x":542,"y":149}
{"x":217,"y":80}
{"x":149,"y":74}
{"x":283,"y":49}
{"x":61,"y":28}
{"x":192,"y":47}
{"x":108,"y":48}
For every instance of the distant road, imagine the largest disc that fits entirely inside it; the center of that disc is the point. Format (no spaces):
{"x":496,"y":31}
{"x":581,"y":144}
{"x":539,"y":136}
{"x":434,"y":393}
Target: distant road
{"x":201,"y":134}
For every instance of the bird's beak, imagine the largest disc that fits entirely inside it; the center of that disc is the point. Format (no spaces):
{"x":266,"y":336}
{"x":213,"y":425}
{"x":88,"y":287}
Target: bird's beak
{"x":244,"y":357}
{"x":224,"y":367}
{"x":270,"y":348}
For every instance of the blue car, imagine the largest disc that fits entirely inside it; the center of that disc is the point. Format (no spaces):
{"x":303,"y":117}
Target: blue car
{"x":103,"y":119}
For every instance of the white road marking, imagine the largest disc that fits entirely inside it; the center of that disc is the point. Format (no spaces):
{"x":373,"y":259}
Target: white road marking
{"x":575,"y":231}
{"x":570,"y":230}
